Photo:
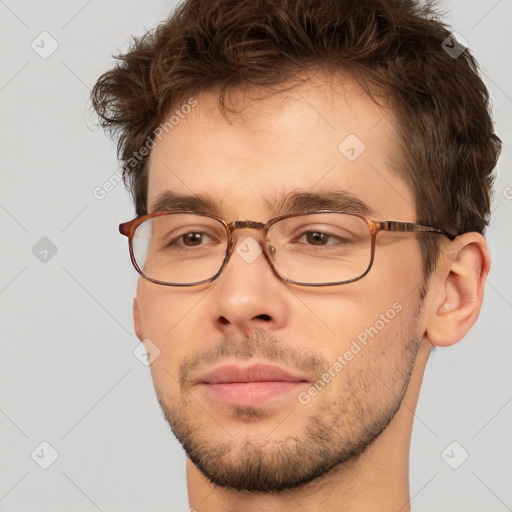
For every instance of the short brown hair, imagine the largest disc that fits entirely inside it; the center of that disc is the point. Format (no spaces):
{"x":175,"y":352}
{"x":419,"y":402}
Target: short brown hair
{"x":394,"y":48}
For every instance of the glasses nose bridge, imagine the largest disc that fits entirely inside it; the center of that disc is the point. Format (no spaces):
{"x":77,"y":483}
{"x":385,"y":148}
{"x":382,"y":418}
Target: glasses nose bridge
{"x":244,"y":224}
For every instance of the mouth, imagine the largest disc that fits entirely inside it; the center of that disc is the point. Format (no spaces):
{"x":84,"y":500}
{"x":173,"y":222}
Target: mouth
{"x":253,"y":385}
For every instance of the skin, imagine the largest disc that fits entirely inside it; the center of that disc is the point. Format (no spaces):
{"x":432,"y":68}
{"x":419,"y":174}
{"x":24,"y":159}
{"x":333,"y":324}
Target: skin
{"x":356,"y":432}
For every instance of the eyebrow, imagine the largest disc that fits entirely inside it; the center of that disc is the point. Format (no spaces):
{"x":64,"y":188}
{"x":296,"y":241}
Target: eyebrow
{"x":293,"y":202}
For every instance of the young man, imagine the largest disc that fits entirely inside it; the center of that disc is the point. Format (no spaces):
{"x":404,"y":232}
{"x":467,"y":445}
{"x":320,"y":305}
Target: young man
{"x":312,"y":182}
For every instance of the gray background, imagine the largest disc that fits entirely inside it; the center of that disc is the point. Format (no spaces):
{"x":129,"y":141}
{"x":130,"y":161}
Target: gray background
{"x":68,"y":375}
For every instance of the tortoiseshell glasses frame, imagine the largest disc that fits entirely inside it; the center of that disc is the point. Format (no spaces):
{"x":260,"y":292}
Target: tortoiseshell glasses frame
{"x":128,"y":229}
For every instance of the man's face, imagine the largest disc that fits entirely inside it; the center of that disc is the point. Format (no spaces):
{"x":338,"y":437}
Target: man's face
{"x":268,"y":437}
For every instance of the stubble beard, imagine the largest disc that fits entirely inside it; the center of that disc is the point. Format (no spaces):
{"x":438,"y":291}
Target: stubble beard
{"x":335,"y":433}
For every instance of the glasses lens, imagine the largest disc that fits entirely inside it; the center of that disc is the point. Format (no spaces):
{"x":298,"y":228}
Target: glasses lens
{"x":321,"y":248}
{"x":179,"y":248}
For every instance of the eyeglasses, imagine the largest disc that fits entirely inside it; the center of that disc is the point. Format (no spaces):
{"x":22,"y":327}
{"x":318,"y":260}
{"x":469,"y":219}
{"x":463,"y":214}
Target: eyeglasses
{"x":320,"y":248}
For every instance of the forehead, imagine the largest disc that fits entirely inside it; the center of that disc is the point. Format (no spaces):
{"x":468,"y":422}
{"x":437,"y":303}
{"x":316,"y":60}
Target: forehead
{"x":317,"y":137}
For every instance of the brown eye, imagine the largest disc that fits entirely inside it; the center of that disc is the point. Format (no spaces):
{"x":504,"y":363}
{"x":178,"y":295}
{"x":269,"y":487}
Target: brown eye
{"x":316,"y":238}
{"x":192,"y":239}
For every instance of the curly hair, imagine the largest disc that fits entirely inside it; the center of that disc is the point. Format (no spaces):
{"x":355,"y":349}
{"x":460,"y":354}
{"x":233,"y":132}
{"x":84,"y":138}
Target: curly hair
{"x":395,"y":49}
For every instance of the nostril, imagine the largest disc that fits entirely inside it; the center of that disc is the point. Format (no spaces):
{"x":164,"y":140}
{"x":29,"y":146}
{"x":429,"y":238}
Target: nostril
{"x":264,"y":317}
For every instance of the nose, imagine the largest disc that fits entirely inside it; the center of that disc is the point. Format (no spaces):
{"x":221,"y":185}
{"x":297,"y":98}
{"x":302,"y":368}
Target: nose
{"x":249,"y":294}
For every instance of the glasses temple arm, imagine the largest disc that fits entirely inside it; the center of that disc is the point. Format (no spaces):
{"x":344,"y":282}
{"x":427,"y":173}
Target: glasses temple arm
{"x":391,"y":225}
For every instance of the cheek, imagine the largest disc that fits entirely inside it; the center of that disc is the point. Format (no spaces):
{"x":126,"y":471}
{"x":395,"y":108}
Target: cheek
{"x":397,"y":269}
{"x":169,"y":319}
{"x":370,"y":361}
{"x":352,"y":325}
{"x":380,"y":305}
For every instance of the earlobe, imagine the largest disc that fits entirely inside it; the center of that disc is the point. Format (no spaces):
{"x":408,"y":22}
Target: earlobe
{"x":137,"y":324}
{"x":461,"y":275}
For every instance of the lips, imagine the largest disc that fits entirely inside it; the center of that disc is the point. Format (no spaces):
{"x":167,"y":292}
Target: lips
{"x":255,"y":385}
{"x":254,"y":373}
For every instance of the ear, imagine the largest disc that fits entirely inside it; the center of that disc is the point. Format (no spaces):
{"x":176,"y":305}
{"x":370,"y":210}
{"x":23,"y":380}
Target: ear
{"x":137,"y":324}
{"x":459,"y":282}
